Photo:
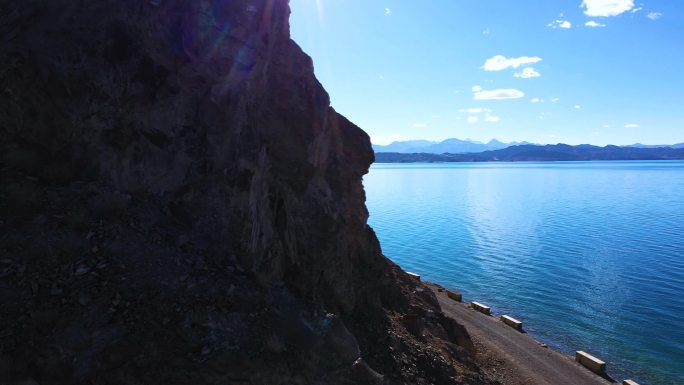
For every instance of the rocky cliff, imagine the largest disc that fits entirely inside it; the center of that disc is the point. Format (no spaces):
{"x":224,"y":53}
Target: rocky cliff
{"x":180,"y":204}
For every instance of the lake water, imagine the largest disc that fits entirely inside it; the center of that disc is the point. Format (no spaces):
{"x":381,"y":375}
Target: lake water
{"x":589,"y":255}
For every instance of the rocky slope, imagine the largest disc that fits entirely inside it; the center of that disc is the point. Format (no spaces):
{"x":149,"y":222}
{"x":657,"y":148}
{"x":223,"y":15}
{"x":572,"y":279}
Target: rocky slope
{"x":180,"y":204}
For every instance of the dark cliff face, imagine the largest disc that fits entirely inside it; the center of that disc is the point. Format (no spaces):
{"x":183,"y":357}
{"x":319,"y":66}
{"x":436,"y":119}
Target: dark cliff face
{"x":180,"y":204}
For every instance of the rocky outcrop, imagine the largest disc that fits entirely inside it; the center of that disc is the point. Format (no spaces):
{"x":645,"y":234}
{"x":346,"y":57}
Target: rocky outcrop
{"x":180,"y":204}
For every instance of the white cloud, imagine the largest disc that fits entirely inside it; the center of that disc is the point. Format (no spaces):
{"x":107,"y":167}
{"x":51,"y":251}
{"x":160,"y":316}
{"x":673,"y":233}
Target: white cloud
{"x":473,"y":119}
{"x":563,"y":24}
{"x":499,"y":94}
{"x":577,"y":106}
{"x":593,"y":24}
{"x":555,"y":100}
{"x":492,"y":119}
{"x":388,"y":11}
{"x":654,"y":15}
{"x":605,"y":8}
{"x":486,"y":32}
{"x":477,"y":88}
{"x":435,"y":116}
{"x":478,"y":110}
{"x":635,"y":10}
{"x":536,"y":100}
{"x":606,"y":126}
{"x":631,"y":125}
{"x":500,"y":62}
{"x":527,"y":73}
{"x":419,"y":125}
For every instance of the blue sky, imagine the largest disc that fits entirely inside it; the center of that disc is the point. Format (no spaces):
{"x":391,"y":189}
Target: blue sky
{"x":512,"y":70}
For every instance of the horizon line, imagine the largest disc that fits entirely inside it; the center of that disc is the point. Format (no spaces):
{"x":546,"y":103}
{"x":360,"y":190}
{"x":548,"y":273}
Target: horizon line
{"x":532,"y":143}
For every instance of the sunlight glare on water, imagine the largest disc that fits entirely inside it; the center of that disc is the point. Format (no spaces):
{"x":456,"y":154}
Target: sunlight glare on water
{"x":590,"y":255}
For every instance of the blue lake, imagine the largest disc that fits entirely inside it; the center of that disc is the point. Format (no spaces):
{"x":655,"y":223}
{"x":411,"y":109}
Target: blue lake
{"x":589,"y":255}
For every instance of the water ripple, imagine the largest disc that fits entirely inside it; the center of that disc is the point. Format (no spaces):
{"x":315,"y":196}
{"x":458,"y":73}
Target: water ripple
{"x":589,"y":255}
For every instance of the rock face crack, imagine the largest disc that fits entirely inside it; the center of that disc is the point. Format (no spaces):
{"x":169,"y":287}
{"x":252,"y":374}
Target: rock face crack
{"x":180,"y":204}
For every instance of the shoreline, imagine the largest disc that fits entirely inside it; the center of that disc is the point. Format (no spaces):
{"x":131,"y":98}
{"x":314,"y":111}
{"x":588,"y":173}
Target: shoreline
{"x":577,"y":249}
{"x":515,"y":357}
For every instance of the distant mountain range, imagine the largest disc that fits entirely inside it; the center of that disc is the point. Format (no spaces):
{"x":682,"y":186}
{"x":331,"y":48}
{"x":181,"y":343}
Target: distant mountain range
{"x":639,"y":145}
{"x":555,"y":152}
{"x":458,"y":146}
{"x":453,"y":146}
